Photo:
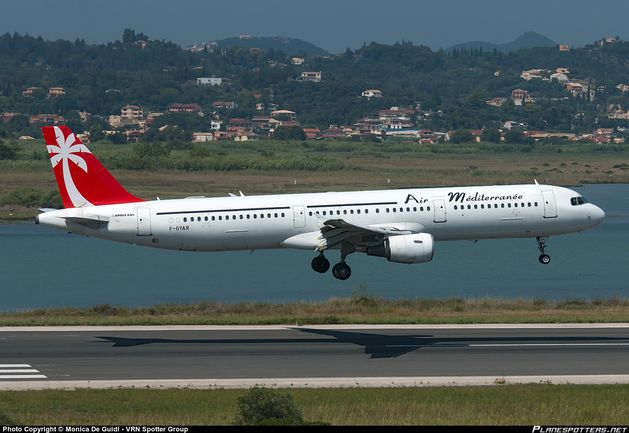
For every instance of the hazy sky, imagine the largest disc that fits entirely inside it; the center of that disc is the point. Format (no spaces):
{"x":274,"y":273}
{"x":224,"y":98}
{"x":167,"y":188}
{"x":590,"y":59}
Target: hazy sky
{"x":331,"y":24}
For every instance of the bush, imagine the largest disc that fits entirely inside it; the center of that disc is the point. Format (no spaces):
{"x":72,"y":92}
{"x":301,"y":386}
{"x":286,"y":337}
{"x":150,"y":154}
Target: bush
{"x":7,"y":152}
{"x":32,"y":198}
{"x":261,"y":406}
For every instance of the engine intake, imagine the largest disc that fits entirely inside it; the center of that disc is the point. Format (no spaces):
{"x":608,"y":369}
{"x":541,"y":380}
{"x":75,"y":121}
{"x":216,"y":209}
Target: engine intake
{"x":415,"y":248}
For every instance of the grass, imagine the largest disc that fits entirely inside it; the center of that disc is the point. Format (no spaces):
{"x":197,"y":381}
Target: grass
{"x":359,"y":309}
{"x":290,"y":167}
{"x":493,"y":405}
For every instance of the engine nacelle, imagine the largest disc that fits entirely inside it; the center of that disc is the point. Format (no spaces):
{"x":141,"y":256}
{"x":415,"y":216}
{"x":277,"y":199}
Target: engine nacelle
{"x":415,"y":248}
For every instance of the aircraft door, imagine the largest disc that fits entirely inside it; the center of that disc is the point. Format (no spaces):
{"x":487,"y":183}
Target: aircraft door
{"x":144,"y":221}
{"x":550,"y":206}
{"x":299,"y":217}
{"x":440,"y":210}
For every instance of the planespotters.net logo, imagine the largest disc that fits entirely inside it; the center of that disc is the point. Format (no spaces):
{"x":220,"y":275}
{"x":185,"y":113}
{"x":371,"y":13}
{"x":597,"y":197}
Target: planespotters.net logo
{"x":566,"y":429}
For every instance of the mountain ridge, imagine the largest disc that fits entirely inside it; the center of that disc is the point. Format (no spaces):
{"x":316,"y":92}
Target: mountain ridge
{"x":290,"y":46}
{"x":525,"y":40}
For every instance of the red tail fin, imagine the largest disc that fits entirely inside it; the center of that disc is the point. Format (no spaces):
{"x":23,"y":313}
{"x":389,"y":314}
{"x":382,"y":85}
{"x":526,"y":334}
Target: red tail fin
{"x":82,"y":180}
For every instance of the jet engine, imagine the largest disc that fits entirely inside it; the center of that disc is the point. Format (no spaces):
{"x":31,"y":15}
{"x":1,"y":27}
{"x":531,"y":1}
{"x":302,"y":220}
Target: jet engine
{"x":415,"y":248}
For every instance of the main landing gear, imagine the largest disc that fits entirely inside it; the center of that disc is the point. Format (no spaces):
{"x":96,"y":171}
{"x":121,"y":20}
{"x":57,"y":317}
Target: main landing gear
{"x":341,"y":270}
{"x":544,"y":258}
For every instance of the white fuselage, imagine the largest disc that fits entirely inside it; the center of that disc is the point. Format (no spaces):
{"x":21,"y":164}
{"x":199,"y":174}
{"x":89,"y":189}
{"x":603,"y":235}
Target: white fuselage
{"x":275,"y":221}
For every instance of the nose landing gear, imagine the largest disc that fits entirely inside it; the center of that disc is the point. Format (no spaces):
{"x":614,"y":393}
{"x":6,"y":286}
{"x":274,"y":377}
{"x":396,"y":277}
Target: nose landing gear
{"x":544,"y":258}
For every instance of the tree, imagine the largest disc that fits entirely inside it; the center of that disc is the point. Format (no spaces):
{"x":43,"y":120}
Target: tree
{"x":289,"y":133}
{"x":261,"y":406}
{"x":491,"y":135}
{"x":461,"y":136}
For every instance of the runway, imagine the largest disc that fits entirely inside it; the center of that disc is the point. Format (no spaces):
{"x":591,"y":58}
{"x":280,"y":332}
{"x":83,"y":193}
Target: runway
{"x":213,"y":356}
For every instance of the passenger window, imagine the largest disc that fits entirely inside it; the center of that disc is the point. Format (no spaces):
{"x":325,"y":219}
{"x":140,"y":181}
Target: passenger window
{"x":358,"y":211}
{"x":502,"y":205}
{"x":377,"y":210}
{"x":241,"y":217}
{"x":282,"y":214}
{"x":428,"y":208}
{"x":206,"y":218}
{"x":276,"y":215}
{"x":351,"y":211}
{"x":394,"y":210}
{"x":454,"y":207}
{"x":310,"y":213}
{"x":414,"y":209}
{"x":185,"y":219}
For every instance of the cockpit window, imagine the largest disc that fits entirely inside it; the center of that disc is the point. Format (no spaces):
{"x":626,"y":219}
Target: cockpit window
{"x":576,"y":201}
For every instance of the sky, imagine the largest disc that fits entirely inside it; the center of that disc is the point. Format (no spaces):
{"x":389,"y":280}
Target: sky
{"x":334,"y":25}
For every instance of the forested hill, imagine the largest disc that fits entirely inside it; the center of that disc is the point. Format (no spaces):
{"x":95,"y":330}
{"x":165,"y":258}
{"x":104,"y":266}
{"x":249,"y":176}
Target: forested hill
{"x":453,"y":86}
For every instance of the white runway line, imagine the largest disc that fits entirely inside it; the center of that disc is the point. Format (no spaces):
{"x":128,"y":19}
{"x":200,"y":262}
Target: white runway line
{"x":546,"y":344}
{"x":18,"y":371}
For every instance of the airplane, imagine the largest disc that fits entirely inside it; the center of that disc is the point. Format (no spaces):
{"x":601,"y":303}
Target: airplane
{"x":401,"y":225}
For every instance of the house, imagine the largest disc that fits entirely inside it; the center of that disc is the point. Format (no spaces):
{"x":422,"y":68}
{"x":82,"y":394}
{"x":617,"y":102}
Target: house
{"x":6,"y":116}
{"x":312,"y":133}
{"x":209,"y":81}
{"x":202,"y":137}
{"x":519,"y":96}
{"x":28,"y":92}
{"x":297,"y":61}
{"x":496,"y":102}
{"x":237,"y":122}
{"x":215,"y":124}
{"x":261,"y":122}
{"x":315,"y":77}
{"x":532,"y":74}
{"x":134,"y":135}
{"x":53,"y":92}
{"x":152,"y":116}
{"x":372,"y":93}
{"x":512,"y":125}
{"x":333,"y":132}
{"x":131,"y":112}
{"x":47,"y":119}
{"x":184,"y":108}
{"x":564,"y":47}
{"x":224,"y":105}
{"x":560,"y":78}
{"x":576,"y":89}
{"x":284,"y":115}
{"x":623,"y":88}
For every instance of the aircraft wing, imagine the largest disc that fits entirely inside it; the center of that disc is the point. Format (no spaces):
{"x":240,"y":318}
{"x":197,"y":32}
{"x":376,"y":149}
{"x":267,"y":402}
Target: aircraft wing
{"x":337,"y":231}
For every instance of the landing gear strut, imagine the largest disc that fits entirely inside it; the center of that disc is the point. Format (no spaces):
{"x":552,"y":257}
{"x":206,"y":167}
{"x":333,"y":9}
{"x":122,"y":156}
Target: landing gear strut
{"x":320,"y":264}
{"x":341,"y":270}
{"x":544,"y":258}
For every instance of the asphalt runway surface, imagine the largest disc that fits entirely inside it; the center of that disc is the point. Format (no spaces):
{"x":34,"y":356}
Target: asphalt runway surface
{"x":67,"y":357}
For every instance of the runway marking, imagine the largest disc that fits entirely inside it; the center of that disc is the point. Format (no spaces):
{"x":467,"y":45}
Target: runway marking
{"x":17,"y":371}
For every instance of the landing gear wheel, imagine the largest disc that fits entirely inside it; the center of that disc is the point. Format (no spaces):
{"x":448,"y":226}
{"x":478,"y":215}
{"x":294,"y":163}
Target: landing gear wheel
{"x":544,"y":259}
{"x":320,"y":264}
{"x":342,"y":271}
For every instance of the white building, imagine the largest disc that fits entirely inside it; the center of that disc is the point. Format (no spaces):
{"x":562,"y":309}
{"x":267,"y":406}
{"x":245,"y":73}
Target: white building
{"x":311,"y":76}
{"x":372,"y":93}
{"x":131,"y":112}
{"x":209,"y":81}
{"x":297,"y":61}
{"x":202,"y":137}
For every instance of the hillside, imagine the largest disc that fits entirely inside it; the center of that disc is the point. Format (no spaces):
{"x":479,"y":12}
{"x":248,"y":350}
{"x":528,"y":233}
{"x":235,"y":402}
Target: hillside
{"x":441,"y":91}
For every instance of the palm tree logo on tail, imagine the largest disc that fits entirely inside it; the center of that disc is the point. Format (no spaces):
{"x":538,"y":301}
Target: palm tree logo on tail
{"x":66,"y":150}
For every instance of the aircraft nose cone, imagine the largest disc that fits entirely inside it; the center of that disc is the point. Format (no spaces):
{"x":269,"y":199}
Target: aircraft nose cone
{"x":598,"y":215}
